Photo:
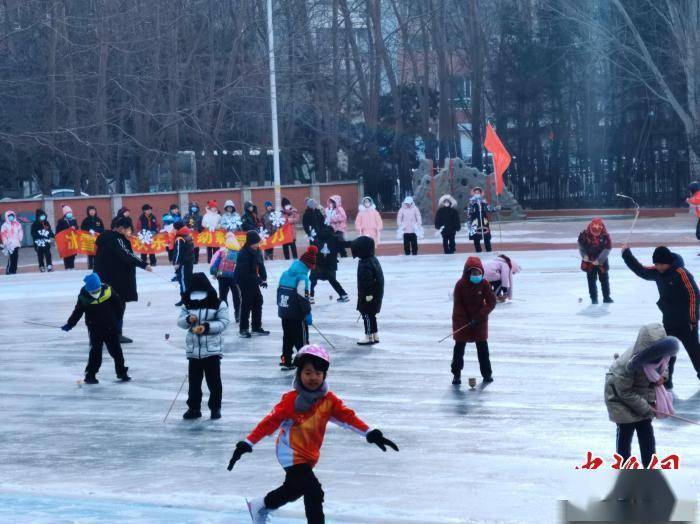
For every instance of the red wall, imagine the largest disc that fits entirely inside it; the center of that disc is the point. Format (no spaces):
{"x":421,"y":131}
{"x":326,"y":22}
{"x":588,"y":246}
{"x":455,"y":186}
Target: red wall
{"x":79,"y":206}
{"x":20,"y":206}
{"x":348,"y":194}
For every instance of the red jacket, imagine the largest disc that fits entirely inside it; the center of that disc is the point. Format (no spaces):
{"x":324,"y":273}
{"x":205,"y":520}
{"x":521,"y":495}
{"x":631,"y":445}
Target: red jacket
{"x":694,"y":202}
{"x":472,"y":302}
{"x":301,"y":435}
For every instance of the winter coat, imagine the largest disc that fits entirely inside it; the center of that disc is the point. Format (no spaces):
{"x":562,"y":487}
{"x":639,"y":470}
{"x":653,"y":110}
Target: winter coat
{"x":120,"y":214}
{"x":336,"y":218}
{"x":250,"y":220}
{"x":183,"y":250}
{"x":368,"y":221}
{"x":498,"y":270}
{"x":194,"y":222}
{"x":292,"y":217}
{"x":408,"y":219}
{"x":678,"y":293}
{"x":116,"y":263}
{"x":91,"y":223}
{"x":472,"y":302}
{"x":210,"y":312}
{"x":65,"y":223}
{"x":694,"y":203}
{"x":447,"y":217}
{"x":478,"y":214}
{"x":148,"y":223}
{"x":211,"y":220}
{"x":41,"y":230}
{"x":101,"y":313}
{"x":223,"y":263}
{"x":293,"y":291}
{"x":370,"y":277}
{"x":629,"y":395}
{"x":267,"y":221}
{"x":230,"y":221}
{"x":11,"y":232}
{"x":301,"y":435}
{"x":327,"y":256}
{"x":250,"y":268}
{"x":312,"y":220}
{"x":594,"y":248}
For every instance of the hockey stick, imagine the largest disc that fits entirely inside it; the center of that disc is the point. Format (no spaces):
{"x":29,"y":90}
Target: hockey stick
{"x":454,"y":333}
{"x":34,"y":323}
{"x":636,"y":215}
{"x":324,"y":336}
{"x":677,"y":417}
{"x":175,"y":399}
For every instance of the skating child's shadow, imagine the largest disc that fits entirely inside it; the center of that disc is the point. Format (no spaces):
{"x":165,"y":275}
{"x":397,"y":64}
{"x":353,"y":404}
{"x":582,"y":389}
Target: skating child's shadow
{"x":595,"y":311}
{"x":465,"y":399}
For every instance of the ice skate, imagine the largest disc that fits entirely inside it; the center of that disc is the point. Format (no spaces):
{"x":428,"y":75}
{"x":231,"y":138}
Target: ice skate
{"x":344,"y":298}
{"x":260,"y":332}
{"x":91,"y":379}
{"x":366,"y":341}
{"x":258,"y":512}
{"x":192,"y":414}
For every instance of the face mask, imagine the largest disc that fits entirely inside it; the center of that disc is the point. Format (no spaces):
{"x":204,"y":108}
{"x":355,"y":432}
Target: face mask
{"x":194,"y":209}
{"x":475,"y":279}
{"x":11,"y":218}
{"x":448,"y":204}
{"x":477,"y":196}
{"x":198,"y":295}
{"x":42,"y":217}
{"x":288,"y":207}
{"x":69,"y":216}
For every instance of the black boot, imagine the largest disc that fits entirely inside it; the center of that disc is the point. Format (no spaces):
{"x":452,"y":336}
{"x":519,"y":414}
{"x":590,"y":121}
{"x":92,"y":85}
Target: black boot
{"x":91,"y":379}
{"x":123,"y":376}
{"x":215,"y":414}
{"x":260,"y":332}
{"x":191,"y":414}
{"x":608,"y":300}
{"x":456,"y":377}
{"x":124,"y":340}
{"x":594,"y":301}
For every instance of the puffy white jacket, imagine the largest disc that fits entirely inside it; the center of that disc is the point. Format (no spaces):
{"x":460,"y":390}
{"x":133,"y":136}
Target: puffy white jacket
{"x":211,"y":342}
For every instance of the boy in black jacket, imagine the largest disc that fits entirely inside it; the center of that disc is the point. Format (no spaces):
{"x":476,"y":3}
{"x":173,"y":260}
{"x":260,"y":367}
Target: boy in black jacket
{"x":678,"y":300}
{"x":42,"y":235}
{"x":327,"y":262}
{"x":370,"y":287}
{"x":183,"y":258}
{"x":312,"y":220}
{"x":102,"y":308}
{"x":250,"y":275}
{"x":93,"y":225}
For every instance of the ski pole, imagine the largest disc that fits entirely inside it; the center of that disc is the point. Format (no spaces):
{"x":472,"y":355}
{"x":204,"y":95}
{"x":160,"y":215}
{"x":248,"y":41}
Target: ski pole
{"x":677,"y":417}
{"x":636,"y":214}
{"x":34,"y":323}
{"x":175,"y":399}
{"x":324,"y":336}
{"x":453,"y":333}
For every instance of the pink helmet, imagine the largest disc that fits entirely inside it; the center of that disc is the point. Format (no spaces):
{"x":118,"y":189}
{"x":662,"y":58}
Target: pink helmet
{"x":314,"y":350}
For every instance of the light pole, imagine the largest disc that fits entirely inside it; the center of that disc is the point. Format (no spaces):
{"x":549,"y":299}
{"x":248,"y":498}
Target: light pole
{"x":273,"y":107}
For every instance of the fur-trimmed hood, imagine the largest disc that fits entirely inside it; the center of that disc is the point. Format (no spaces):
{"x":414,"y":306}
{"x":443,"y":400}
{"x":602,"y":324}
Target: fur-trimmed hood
{"x":447,"y":198}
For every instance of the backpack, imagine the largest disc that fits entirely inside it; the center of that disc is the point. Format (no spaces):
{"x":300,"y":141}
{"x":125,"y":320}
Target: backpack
{"x":227,"y":264}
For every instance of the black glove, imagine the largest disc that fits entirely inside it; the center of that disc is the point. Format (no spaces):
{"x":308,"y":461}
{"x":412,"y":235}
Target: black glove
{"x":241,"y":448}
{"x":375,"y":437}
{"x":472,"y":323}
{"x":66,"y":327}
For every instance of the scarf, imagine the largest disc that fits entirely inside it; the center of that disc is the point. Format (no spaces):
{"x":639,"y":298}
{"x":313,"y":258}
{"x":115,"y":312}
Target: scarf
{"x":664,"y":399}
{"x":305,"y":398}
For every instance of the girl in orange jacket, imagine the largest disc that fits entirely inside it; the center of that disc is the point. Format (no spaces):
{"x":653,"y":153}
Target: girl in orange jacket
{"x":302,"y":415}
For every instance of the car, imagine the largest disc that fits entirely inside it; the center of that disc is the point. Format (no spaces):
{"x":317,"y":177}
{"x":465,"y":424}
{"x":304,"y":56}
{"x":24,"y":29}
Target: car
{"x":59,"y":193}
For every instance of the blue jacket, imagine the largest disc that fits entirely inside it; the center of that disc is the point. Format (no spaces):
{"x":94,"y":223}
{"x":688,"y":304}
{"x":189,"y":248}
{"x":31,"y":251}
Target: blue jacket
{"x":292,"y":293}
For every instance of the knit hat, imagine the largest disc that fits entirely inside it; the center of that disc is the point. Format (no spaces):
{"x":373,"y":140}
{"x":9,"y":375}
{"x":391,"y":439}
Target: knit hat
{"x":310,"y":203}
{"x":408,"y":200}
{"x":65,"y":209}
{"x":286,"y":202}
{"x":268,"y":203}
{"x":92,"y":282}
{"x":251,"y":238}
{"x":212,"y":204}
{"x":662,"y":255}
{"x":146,"y":207}
{"x":309,"y":257}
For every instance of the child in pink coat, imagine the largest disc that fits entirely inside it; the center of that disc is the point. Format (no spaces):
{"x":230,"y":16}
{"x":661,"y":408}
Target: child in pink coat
{"x":338,"y":220}
{"x":409,"y":224}
{"x":499,"y":272}
{"x":368,"y":221}
{"x":12,"y":235}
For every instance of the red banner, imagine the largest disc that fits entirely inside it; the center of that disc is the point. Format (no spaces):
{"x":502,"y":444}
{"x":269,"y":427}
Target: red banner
{"x":73,"y":242}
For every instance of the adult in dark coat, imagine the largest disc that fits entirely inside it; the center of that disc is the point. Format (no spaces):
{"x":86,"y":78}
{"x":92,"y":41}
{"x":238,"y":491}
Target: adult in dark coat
{"x":370,"y":287}
{"x":116,"y":263}
{"x":473,"y":302}
{"x":448,"y":223}
{"x":93,"y":225}
{"x":678,"y":300}
{"x":312,"y":220}
{"x":250,"y":220}
{"x":42,"y":235}
{"x":250,"y":276}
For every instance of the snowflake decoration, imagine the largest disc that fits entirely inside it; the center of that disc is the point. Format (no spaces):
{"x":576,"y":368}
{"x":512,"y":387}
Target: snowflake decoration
{"x":237,"y":221}
{"x":264,"y":233}
{"x":312,"y":234}
{"x":278,"y":219}
{"x":325,"y":250}
{"x":145,"y":237}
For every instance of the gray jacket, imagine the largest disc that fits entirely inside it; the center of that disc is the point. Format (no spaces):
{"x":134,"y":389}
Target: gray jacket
{"x":211,"y":342}
{"x":629,"y":395}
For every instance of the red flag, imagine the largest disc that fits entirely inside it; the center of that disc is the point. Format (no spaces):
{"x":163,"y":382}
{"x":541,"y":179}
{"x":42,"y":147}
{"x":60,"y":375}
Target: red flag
{"x":501,"y":157}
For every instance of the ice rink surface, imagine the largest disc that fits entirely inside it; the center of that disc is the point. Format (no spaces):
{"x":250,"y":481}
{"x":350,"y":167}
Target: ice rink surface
{"x":503,"y":454}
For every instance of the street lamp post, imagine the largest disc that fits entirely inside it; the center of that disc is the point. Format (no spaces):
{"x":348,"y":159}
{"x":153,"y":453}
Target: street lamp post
{"x":273,"y":107}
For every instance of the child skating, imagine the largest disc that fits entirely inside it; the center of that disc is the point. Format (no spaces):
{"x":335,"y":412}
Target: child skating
{"x":302,"y":416}
{"x":205,"y":318}
{"x":223,"y":264}
{"x":327,"y":263}
{"x":293,"y":305}
{"x":594,"y":244}
{"x":370,"y":287}
{"x":473,"y":302}
{"x":102,"y":308}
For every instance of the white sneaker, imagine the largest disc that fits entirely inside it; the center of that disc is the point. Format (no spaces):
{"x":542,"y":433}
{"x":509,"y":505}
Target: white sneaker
{"x":365,"y":341}
{"x":258,"y":512}
{"x":375,"y":338}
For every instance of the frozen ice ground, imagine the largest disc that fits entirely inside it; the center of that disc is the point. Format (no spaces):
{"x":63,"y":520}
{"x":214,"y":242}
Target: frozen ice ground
{"x":502,"y":454}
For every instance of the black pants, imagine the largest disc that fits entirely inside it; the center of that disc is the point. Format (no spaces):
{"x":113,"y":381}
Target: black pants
{"x":331,"y":280}
{"x":184,"y":276}
{"x":697,"y":229}
{"x":269,"y":254}
{"x":487,"y":243}
{"x":286,"y":248}
{"x":12,"y":258}
{"x":210,"y":253}
{"x":410,"y":243}
{"x":226,"y":284}
{"x":170,"y":254}
{"x":91,"y":261}
{"x":151,"y":258}
{"x":111,"y":340}
{"x":295,"y":334}
{"x":120,"y":318}
{"x":498,"y":289}
{"x":299,"y":481}
{"x":341,"y":243}
{"x":482,"y":352}
{"x":251,"y":306}
{"x":645,"y":437}
{"x":689,"y":339}
{"x":604,"y":278}
{"x":449,"y":245}
{"x":43,"y":255}
{"x":209,"y":368}
{"x":196,"y":255}
{"x":69,"y":262}
{"x":370,"y":322}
